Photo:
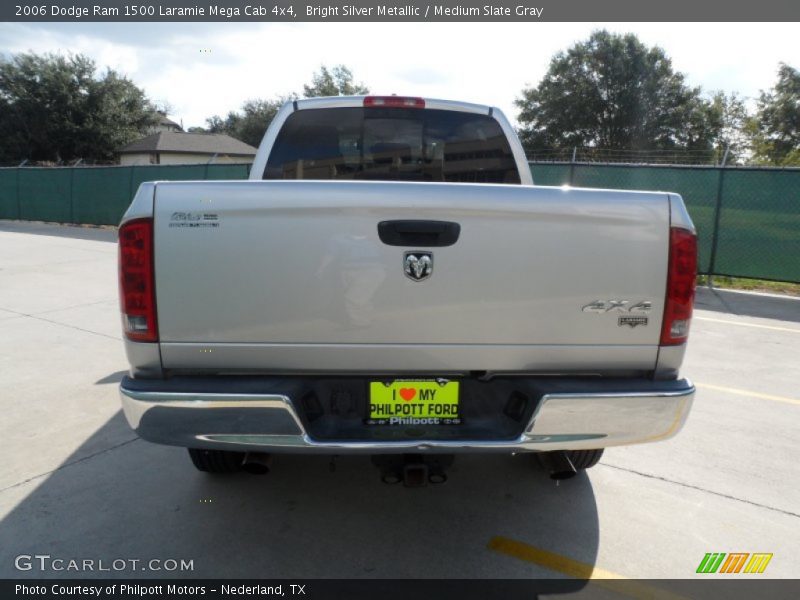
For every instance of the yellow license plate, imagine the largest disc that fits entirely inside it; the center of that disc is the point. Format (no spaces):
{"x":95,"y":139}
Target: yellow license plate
{"x":413,"y":402}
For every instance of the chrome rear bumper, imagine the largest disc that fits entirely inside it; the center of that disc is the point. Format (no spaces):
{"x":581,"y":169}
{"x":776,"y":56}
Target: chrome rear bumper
{"x":270,"y":422}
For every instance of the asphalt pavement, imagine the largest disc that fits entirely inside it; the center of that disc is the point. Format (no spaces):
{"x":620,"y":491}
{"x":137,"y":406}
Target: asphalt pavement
{"x":76,"y":483}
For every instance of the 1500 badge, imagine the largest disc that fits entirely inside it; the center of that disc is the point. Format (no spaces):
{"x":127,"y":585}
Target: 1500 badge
{"x":194,"y":219}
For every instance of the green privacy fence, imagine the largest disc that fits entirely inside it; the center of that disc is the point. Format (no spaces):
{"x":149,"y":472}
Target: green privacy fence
{"x":91,"y":195}
{"x":747,"y":219}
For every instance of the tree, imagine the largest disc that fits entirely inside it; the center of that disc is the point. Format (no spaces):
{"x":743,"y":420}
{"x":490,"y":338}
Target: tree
{"x":57,"y":108}
{"x":250,"y":123}
{"x":776,"y":126}
{"x":337,"y":81}
{"x":613,"y":92}
{"x":733,"y":118}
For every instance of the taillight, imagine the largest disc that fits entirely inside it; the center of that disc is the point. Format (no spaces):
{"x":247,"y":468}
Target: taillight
{"x":681,"y":277}
{"x":393,"y":102}
{"x":137,"y":293}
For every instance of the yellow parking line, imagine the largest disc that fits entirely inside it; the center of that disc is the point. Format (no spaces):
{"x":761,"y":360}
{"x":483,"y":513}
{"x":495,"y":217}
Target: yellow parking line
{"x":748,"y":393}
{"x":727,"y":322}
{"x":549,"y":560}
{"x":577,"y":569}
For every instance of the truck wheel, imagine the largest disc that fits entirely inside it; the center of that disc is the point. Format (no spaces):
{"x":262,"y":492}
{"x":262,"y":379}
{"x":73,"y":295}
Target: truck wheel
{"x":584,"y":459}
{"x":216,"y":461}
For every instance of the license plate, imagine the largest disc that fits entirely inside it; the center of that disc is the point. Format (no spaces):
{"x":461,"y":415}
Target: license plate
{"x":414,"y":402}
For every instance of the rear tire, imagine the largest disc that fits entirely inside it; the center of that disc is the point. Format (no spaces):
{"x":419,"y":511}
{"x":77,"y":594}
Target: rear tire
{"x":216,"y":461}
{"x":584,"y":459}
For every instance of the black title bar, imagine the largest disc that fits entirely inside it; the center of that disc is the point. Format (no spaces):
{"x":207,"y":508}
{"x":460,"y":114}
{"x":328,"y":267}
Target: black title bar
{"x":394,"y":589}
{"x":398,"y":11}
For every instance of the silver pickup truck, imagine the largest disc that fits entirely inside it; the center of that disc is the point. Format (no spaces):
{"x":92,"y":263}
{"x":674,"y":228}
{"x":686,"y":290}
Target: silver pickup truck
{"x":390,"y":282}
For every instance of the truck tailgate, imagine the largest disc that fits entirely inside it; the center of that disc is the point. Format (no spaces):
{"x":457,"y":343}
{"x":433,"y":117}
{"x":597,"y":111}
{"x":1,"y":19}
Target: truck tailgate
{"x":293,"y":276}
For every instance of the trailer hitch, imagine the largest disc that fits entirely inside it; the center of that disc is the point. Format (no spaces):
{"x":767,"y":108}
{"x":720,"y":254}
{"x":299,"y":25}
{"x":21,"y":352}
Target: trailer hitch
{"x":413,"y":470}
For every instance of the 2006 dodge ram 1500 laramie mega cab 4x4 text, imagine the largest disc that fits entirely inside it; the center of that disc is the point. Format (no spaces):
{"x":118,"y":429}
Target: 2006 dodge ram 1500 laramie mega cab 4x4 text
{"x":390,"y":282}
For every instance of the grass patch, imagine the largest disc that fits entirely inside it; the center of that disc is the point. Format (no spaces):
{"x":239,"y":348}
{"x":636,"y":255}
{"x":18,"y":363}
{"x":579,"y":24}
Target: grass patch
{"x":753,"y":285}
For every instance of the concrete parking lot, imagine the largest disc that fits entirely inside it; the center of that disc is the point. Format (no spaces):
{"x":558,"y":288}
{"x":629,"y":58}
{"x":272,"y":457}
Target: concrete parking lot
{"x":75,"y":482}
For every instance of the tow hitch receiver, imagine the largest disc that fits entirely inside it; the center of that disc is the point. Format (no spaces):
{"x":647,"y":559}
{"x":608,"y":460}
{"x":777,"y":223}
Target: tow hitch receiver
{"x":414,"y":470}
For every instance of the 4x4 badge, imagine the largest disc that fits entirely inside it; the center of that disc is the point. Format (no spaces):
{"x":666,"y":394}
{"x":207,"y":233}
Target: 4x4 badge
{"x":418,"y":265}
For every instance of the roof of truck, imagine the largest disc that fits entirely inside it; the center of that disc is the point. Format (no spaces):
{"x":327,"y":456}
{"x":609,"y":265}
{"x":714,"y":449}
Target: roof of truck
{"x":346,"y":101}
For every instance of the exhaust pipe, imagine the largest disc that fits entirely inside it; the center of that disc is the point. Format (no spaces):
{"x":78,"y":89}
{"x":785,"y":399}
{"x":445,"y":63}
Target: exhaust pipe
{"x":558,"y":464}
{"x":257,"y":463}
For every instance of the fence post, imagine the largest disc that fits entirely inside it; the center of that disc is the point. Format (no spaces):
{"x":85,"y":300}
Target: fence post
{"x":19,"y":202}
{"x":208,"y":162}
{"x":712,"y":262}
{"x":572,"y":166}
{"x":130,"y":185}
{"x":72,"y":195}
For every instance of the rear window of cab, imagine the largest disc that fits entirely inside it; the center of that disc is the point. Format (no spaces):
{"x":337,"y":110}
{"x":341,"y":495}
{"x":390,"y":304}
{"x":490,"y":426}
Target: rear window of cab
{"x":392,"y":144}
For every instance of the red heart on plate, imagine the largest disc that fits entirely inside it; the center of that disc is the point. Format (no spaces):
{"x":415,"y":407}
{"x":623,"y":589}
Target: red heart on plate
{"x":407,"y":393}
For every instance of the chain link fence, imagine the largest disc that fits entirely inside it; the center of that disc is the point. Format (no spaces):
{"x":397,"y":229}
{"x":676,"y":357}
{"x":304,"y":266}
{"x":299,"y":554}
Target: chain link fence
{"x":747,"y":218}
{"x":584,"y":154}
{"x":91,"y":195}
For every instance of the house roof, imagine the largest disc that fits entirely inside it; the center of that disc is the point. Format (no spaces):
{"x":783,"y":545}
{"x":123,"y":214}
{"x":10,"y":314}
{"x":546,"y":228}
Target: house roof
{"x":165,"y":120}
{"x":190,"y":143}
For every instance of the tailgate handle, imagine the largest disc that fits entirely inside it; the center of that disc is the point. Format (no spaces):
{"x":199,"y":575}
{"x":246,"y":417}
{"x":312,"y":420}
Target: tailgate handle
{"x":432,"y":234}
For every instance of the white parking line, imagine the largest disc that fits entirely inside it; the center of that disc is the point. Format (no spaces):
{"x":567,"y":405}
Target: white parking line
{"x":773,"y":327}
{"x":748,"y":393}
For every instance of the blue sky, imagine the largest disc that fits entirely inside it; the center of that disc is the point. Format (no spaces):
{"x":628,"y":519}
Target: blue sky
{"x":202,"y":69}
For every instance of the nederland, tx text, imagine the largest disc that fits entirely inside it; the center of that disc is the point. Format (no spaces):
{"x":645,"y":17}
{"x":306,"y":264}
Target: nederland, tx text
{"x":146,"y":591}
